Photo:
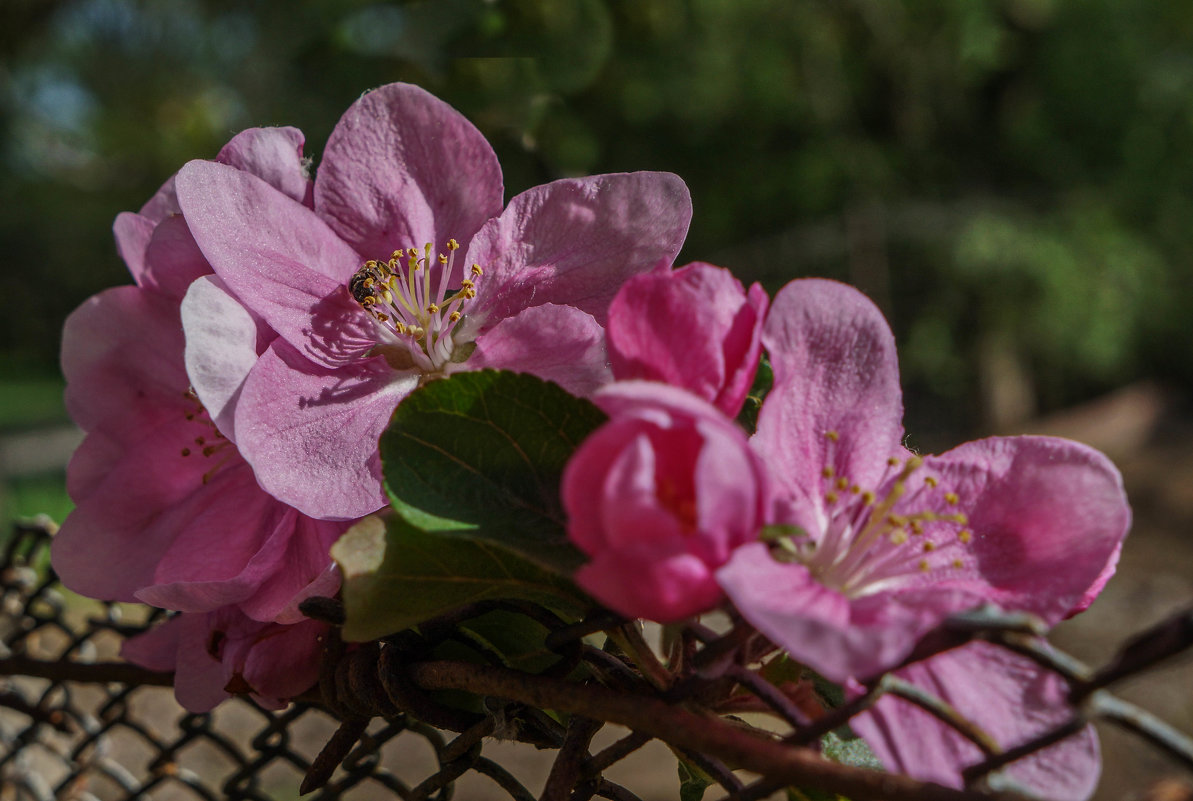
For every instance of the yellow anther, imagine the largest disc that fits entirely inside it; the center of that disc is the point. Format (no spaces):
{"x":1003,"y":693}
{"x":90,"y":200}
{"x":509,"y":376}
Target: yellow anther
{"x":962,"y":519}
{"x":200,"y":441}
{"x":842,"y":482}
{"x":924,"y":566}
{"x":965,"y":536}
{"x":896,"y":520}
{"x":389,"y":296}
{"x":929,"y":546}
{"x":453,"y":244}
{"x":466,"y":284}
{"x":855,"y":489}
{"x":892,"y":462}
{"x":898,"y":538}
{"x":381,"y":318}
{"x":442,"y":259}
{"x":868,"y":497}
{"x":832,"y":435}
{"x":917,"y":527}
{"x":957,"y":563}
{"x":186,"y":451}
{"x":951,"y":498}
{"x":432,"y":308}
{"x":371,"y":264}
{"x":402,"y":327}
{"x":931,"y":481}
{"x":831,"y":497}
{"x":397,"y":254}
{"x":454,"y":317}
{"x":828,"y":472}
{"x":476,"y":270}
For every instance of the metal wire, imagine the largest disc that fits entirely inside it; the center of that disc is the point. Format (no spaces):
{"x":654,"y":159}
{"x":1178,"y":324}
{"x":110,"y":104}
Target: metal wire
{"x":76,"y":723}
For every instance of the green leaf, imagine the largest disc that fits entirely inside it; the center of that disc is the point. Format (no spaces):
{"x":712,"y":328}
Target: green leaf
{"x":763,"y":380}
{"x":396,"y":576}
{"x":801,"y":794}
{"x":479,"y":455}
{"x":693,"y":781}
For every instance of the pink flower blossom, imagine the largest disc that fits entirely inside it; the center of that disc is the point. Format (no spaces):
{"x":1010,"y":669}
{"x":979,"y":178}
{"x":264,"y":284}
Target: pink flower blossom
{"x":695,"y":327}
{"x":888,"y":543}
{"x":406,"y":269}
{"x":167,"y":512}
{"x":659,"y":497}
{"x":218,"y":654}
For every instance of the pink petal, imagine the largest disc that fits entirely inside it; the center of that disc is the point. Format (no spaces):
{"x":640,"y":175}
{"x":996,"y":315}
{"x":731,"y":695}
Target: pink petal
{"x":659,"y":586}
{"x":401,"y":169}
{"x":132,"y":232}
{"x":1010,"y":697}
{"x":172,"y":259}
{"x":836,"y":372}
{"x":693,"y":327}
{"x":311,"y":432}
{"x":836,"y":636}
{"x":1047,"y":517}
{"x":122,"y":357}
{"x":273,"y":253}
{"x":221,"y":348}
{"x":575,"y":241}
{"x":557,"y":343}
{"x":308,"y":569}
{"x":273,"y":155}
{"x":163,"y":204}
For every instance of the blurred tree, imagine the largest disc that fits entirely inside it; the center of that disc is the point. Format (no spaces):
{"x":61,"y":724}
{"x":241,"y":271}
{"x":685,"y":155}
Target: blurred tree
{"x":1010,"y":178}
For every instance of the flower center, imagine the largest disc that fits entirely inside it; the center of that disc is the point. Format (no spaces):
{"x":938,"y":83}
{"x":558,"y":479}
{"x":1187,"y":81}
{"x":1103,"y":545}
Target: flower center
{"x":397,"y":293}
{"x":875,"y":540}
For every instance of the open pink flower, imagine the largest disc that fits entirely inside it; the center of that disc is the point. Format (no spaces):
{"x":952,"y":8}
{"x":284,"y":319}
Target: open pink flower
{"x":694,"y":327}
{"x":407,"y":269}
{"x":659,"y":497}
{"x":218,"y":654}
{"x":886,"y":543}
{"x":167,"y":512}
{"x":890,"y":542}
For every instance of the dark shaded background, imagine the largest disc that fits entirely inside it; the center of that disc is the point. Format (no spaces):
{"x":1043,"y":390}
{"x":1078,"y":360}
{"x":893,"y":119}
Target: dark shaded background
{"x":1012,"y":180}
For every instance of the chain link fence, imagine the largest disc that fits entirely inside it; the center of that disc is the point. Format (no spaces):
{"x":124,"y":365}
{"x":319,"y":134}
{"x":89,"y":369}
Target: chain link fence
{"x":76,"y":723}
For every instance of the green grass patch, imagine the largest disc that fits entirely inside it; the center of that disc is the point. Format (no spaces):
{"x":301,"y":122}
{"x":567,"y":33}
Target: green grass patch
{"x":26,"y":496}
{"x":27,"y":401}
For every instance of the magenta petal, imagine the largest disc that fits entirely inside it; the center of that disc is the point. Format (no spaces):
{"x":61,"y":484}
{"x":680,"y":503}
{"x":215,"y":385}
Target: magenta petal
{"x":132,"y":232}
{"x":836,"y":636}
{"x":221,"y":348}
{"x":156,"y":649}
{"x":836,"y":375}
{"x":308,"y":569}
{"x":693,"y":327}
{"x":1047,"y":517}
{"x":273,"y":155}
{"x":273,"y":253}
{"x":659,"y":584}
{"x":122,"y":357}
{"x":163,"y":204}
{"x":401,"y":169}
{"x":173,"y":259}
{"x":1010,"y":697}
{"x":576,"y":240}
{"x":556,"y":343}
{"x":311,"y":432}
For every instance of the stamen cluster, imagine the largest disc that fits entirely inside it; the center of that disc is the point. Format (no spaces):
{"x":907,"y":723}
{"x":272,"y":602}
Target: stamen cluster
{"x":397,"y":293}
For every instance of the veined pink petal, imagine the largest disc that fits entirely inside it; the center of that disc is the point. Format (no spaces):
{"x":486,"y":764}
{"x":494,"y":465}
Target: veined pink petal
{"x":273,"y":155}
{"x":308,"y":570}
{"x":120,"y":349}
{"x":836,"y":399}
{"x":172,"y":259}
{"x":836,"y":636}
{"x":221,"y":348}
{"x":163,"y":204}
{"x":401,"y":169}
{"x":311,"y":432}
{"x":132,"y":232}
{"x":1008,"y":696}
{"x":557,"y":343}
{"x":276,"y":255}
{"x":694,"y":327}
{"x":576,"y":240}
{"x":1047,"y":516}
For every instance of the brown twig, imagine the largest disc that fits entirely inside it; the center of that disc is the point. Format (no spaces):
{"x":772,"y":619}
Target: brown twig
{"x":84,"y":672}
{"x":684,"y":729}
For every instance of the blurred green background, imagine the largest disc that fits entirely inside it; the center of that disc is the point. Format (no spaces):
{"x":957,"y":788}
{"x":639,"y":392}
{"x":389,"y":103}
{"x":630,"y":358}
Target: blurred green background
{"x":1012,"y":180}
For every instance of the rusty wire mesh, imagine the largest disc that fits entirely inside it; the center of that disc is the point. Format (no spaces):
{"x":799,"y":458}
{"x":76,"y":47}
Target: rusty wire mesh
{"x":76,"y":723}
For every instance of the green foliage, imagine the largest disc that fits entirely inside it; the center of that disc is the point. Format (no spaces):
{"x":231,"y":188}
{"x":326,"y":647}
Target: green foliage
{"x":479,"y":455}
{"x":397,"y":576}
{"x":693,"y":781}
